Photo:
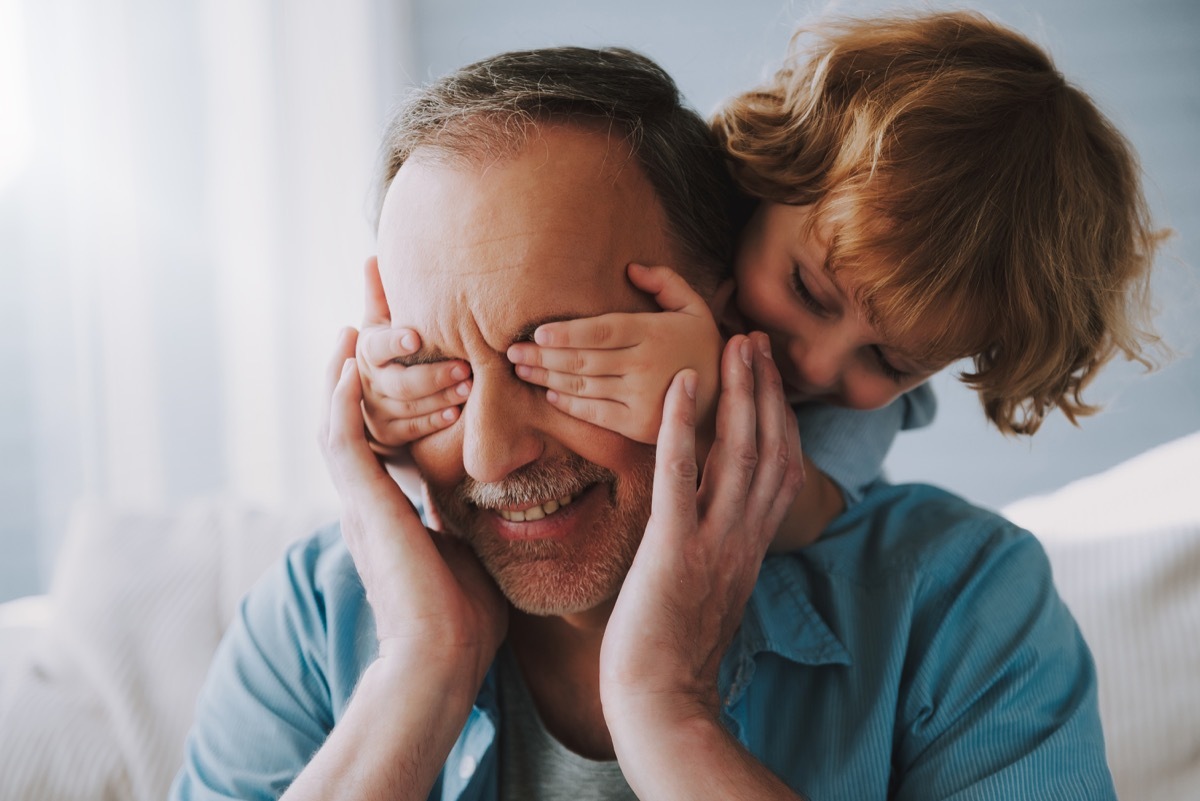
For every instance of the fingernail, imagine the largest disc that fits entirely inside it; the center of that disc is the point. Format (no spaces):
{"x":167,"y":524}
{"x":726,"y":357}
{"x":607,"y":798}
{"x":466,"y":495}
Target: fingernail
{"x":541,"y":337}
{"x":458,"y":372}
{"x":448,"y":415}
{"x":463,"y":389}
{"x":552,"y":396}
{"x":764,"y":345}
{"x":641,"y":268}
{"x":409,"y":342}
{"x":689,"y":385}
{"x":746,"y":352}
{"x":523,"y":371}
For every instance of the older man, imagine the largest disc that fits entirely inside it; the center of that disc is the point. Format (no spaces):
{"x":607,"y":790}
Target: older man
{"x":594,"y":625}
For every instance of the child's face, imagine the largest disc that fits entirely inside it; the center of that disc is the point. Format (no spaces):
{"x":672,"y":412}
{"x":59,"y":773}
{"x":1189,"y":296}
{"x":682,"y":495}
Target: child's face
{"x":825,"y":347}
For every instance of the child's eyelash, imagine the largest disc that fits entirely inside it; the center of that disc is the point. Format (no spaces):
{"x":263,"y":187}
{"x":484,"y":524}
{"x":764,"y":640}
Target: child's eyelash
{"x":886,"y":367}
{"x":806,"y":297}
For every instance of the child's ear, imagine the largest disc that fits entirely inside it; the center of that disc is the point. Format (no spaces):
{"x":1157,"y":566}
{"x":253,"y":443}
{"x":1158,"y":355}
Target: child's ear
{"x":724,"y":309}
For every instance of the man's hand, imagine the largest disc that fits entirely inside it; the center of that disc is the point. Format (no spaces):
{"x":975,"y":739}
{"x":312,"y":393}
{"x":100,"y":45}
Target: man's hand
{"x":424,"y":588}
{"x":614,"y":370}
{"x":402,"y":403}
{"x":685,"y":593}
{"x":438,"y":616}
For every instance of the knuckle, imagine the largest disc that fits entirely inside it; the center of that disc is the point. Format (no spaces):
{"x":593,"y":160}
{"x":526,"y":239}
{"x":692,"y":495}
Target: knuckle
{"x":683,"y":468}
{"x":585,"y":412}
{"x":578,"y":385}
{"x":746,"y":457}
{"x":577,"y":363}
{"x":603,"y":333}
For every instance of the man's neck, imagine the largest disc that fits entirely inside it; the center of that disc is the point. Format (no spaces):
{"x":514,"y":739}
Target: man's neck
{"x":559,"y":658}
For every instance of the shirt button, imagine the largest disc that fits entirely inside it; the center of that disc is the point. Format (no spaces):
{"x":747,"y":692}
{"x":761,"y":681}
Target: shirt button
{"x":466,"y":768}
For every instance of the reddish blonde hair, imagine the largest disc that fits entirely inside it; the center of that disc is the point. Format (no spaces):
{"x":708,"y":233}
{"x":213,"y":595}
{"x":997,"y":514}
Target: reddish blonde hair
{"x":970,"y":191}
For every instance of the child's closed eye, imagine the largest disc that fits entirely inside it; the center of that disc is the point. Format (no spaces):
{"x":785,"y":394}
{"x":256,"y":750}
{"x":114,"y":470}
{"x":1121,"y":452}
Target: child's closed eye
{"x":805,"y":295}
{"x":887,"y":368}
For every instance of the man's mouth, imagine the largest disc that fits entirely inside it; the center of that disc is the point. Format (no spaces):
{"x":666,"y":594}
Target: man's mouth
{"x":537,"y":511}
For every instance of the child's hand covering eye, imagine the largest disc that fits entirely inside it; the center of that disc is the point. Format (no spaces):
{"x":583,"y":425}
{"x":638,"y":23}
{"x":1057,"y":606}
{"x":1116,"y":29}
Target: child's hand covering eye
{"x":402,"y":403}
{"x":614,"y":370}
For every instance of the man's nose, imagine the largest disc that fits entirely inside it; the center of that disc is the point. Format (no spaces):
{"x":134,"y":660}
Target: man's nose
{"x":499,"y":431}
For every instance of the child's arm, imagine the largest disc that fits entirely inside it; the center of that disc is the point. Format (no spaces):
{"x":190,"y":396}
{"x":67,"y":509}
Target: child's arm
{"x":614,"y":370}
{"x":817,"y":504}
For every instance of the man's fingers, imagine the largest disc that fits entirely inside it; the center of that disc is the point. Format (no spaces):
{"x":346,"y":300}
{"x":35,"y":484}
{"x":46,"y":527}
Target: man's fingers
{"x":778,"y":472}
{"x":671,"y":292}
{"x":375,"y":303}
{"x":673,"y":504}
{"x":344,"y":349}
{"x":733,"y":458}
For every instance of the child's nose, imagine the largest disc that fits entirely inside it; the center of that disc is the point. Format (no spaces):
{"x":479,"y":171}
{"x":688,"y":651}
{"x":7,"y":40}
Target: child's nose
{"x":819,"y":364}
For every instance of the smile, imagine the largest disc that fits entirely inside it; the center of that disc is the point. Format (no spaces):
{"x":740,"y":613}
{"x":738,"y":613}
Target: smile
{"x":535,"y":512}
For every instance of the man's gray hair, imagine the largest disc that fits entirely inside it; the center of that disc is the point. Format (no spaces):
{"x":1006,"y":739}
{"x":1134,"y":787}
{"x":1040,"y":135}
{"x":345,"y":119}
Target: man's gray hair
{"x":487,"y":109}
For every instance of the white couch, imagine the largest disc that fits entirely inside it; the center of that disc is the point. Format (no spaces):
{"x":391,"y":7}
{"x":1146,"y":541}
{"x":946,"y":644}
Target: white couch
{"x":98,"y":678}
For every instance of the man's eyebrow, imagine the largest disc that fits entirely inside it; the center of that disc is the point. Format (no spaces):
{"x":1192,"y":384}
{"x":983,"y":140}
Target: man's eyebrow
{"x":429,"y":354}
{"x":525,"y":333}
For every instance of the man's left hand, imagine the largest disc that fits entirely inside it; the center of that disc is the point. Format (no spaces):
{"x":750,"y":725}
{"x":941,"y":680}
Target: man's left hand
{"x":685,"y":593}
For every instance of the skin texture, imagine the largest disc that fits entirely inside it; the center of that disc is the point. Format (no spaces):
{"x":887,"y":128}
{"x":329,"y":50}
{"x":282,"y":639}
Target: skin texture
{"x":478,"y":254}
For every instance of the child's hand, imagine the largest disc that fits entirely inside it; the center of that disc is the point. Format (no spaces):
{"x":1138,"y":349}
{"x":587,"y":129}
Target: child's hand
{"x":402,"y":403}
{"x":614,"y":370}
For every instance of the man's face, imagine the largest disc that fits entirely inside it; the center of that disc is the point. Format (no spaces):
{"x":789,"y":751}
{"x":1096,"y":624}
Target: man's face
{"x":475,"y":257}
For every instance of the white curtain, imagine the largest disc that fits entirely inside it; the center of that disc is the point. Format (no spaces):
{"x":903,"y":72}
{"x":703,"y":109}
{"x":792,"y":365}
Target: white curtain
{"x":183,"y":218}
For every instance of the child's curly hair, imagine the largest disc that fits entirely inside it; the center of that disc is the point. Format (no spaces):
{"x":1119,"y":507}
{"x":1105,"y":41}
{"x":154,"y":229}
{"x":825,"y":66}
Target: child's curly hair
{"x":969,"y":189}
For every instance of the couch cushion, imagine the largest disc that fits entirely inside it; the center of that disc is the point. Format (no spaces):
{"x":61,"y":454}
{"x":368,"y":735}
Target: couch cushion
{"x":1125,"y":548}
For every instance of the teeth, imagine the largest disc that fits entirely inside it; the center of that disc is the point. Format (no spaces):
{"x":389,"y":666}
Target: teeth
{"x":535,"y":512}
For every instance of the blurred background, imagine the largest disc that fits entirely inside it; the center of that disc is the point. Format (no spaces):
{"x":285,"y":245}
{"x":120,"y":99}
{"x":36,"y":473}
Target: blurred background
{"x":183,"y":219}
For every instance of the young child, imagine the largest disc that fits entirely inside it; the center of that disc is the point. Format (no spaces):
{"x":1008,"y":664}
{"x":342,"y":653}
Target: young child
{"x":927,"y":188}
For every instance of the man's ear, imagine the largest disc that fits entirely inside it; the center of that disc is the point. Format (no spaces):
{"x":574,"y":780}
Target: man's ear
{"x":724,"y":309}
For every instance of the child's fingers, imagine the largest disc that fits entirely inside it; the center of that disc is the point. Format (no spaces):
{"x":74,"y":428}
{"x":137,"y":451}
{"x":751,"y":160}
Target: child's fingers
{"x":375,"y":303}
{"x":380,"y":345}
{"x":584,"y":386}
{"x":399,"y":431}
{"x":577,"y":361}
{"x":411,"y":384}
{"x":388,"y":408}
{"x":671,"y":292}
{"x":613,"y":415}
{"x":616,"y":330}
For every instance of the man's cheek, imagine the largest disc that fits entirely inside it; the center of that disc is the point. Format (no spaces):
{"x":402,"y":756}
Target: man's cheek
{"x":438,"y":458}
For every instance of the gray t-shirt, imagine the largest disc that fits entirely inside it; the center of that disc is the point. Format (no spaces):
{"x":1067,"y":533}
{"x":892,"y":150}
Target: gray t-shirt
{"x":533,"y":764}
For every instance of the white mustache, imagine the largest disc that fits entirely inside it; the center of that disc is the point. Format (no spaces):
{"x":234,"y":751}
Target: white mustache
{"x":536,"y":483}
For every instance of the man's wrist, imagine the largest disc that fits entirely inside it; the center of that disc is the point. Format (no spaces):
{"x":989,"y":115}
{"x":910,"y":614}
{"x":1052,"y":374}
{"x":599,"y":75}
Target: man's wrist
{"x":688,"y":753}
{"x":395,"y":735}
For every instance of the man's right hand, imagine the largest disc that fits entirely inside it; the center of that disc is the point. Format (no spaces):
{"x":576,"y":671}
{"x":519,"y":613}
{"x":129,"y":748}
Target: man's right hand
{"x":424,"y":588}
{"x":439,"y":619}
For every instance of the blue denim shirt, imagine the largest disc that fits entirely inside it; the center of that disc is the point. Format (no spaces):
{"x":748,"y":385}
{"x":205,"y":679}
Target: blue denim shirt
{"x":917,"y":651}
